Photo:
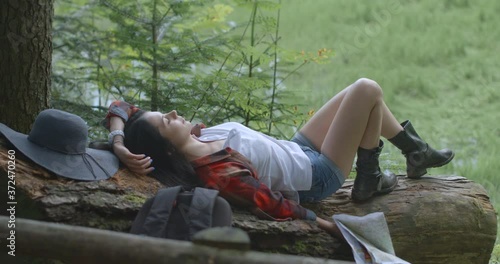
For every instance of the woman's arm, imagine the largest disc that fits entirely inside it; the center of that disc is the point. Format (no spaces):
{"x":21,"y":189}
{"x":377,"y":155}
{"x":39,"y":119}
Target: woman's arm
{"x":118,"y":113}
{"x":230,"y":172}
{"x":330,"y":227}
{"x":137,"y":163}
{"x":242,"y":189}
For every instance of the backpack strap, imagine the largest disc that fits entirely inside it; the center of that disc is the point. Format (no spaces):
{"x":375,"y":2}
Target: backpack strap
{"x":201,"y":209}
{"x":156,"y":221}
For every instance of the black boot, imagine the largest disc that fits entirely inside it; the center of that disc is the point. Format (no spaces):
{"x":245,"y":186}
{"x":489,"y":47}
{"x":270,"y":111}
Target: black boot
{"x":370,"y":180}
{"x":419,"y":155}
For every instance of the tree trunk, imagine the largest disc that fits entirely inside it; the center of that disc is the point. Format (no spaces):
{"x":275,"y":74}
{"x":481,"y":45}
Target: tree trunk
{"x":75,"y":244}
{"x":432,"y":220}
{"x":25,"y":60}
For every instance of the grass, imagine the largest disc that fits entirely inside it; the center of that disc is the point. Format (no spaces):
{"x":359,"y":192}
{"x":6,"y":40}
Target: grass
{"x":437,"y":62}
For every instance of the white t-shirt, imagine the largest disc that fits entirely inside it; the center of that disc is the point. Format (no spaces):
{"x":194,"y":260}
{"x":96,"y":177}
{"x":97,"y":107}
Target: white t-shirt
{"x":280,"y":164}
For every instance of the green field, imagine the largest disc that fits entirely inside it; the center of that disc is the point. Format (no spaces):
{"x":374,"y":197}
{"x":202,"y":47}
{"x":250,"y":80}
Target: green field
{"x":437,"y":61}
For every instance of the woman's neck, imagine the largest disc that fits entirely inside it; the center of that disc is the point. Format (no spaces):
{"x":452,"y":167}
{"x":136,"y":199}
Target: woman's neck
{"x":194,"y":149}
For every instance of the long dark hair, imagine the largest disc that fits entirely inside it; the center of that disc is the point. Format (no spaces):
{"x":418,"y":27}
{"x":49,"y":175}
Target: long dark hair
{"x":171,"y":166}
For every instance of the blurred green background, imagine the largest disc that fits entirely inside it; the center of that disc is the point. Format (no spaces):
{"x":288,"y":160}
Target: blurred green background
{"x":437,"y":61}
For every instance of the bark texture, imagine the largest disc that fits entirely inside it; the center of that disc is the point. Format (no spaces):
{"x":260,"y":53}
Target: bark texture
{"x":439,"y":219}
{"x":25,"y":60}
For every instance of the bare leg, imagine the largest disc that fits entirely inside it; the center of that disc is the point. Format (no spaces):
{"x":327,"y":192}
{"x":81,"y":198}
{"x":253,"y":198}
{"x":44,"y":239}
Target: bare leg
{"x":357,"y":116}
{"x":390,"y":125}
{"x":316,"y":128}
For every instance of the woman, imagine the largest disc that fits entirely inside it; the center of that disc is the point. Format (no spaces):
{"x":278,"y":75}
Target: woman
{"x":257,"y":171}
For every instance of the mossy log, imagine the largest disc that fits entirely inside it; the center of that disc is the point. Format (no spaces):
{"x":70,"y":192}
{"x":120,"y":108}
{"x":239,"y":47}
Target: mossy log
{"x":439,"y":219}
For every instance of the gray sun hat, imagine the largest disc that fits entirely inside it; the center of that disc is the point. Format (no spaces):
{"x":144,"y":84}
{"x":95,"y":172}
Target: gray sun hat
{"x":58,"y":142}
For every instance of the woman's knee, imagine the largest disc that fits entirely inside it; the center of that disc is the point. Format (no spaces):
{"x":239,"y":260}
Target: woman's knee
{"x":368,"y":87}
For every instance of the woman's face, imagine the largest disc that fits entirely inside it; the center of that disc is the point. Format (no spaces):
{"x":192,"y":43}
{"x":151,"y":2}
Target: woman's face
{"x":171,"y":126}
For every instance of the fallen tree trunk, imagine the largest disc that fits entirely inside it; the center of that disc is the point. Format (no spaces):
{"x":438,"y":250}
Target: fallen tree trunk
{"x":74,"y":244}
{"x":446,"y":219}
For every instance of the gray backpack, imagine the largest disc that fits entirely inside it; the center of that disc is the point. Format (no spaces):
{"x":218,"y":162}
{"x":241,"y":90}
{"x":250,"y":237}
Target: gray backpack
{"x":178,"y":214}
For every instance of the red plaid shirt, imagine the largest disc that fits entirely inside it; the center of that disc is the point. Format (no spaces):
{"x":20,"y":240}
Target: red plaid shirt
{"x":120,"y":109}
{"x":234,"y":177}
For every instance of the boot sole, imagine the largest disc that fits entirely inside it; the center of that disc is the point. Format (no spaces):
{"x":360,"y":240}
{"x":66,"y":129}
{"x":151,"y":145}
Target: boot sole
{"x":357,"y":198}
{"x":422,"y":173}
{"x":389,"y":189}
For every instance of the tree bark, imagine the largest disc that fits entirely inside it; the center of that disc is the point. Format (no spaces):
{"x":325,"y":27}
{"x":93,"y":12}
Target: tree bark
{"x":446,"y":219}
{"x":25,"y":60}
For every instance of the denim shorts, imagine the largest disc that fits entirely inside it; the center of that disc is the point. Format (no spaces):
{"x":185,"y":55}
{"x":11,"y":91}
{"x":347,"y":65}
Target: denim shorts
{"x":327,"y":178}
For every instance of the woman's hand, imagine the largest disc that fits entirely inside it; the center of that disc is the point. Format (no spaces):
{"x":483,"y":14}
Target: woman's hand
{"x":331,"y":228}
{"x":196,"y":129}
{"x":137,"y":163}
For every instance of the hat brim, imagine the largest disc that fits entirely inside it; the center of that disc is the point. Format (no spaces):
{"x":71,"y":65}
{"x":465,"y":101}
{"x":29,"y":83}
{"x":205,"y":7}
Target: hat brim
{"x":94,"y":165}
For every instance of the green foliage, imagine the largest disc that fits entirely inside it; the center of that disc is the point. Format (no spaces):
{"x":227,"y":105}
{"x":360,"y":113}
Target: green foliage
{"x":258,"y":66}
{"x":495,"y":256}
{"x":137,"y":51}
{"x":163,"y":55}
